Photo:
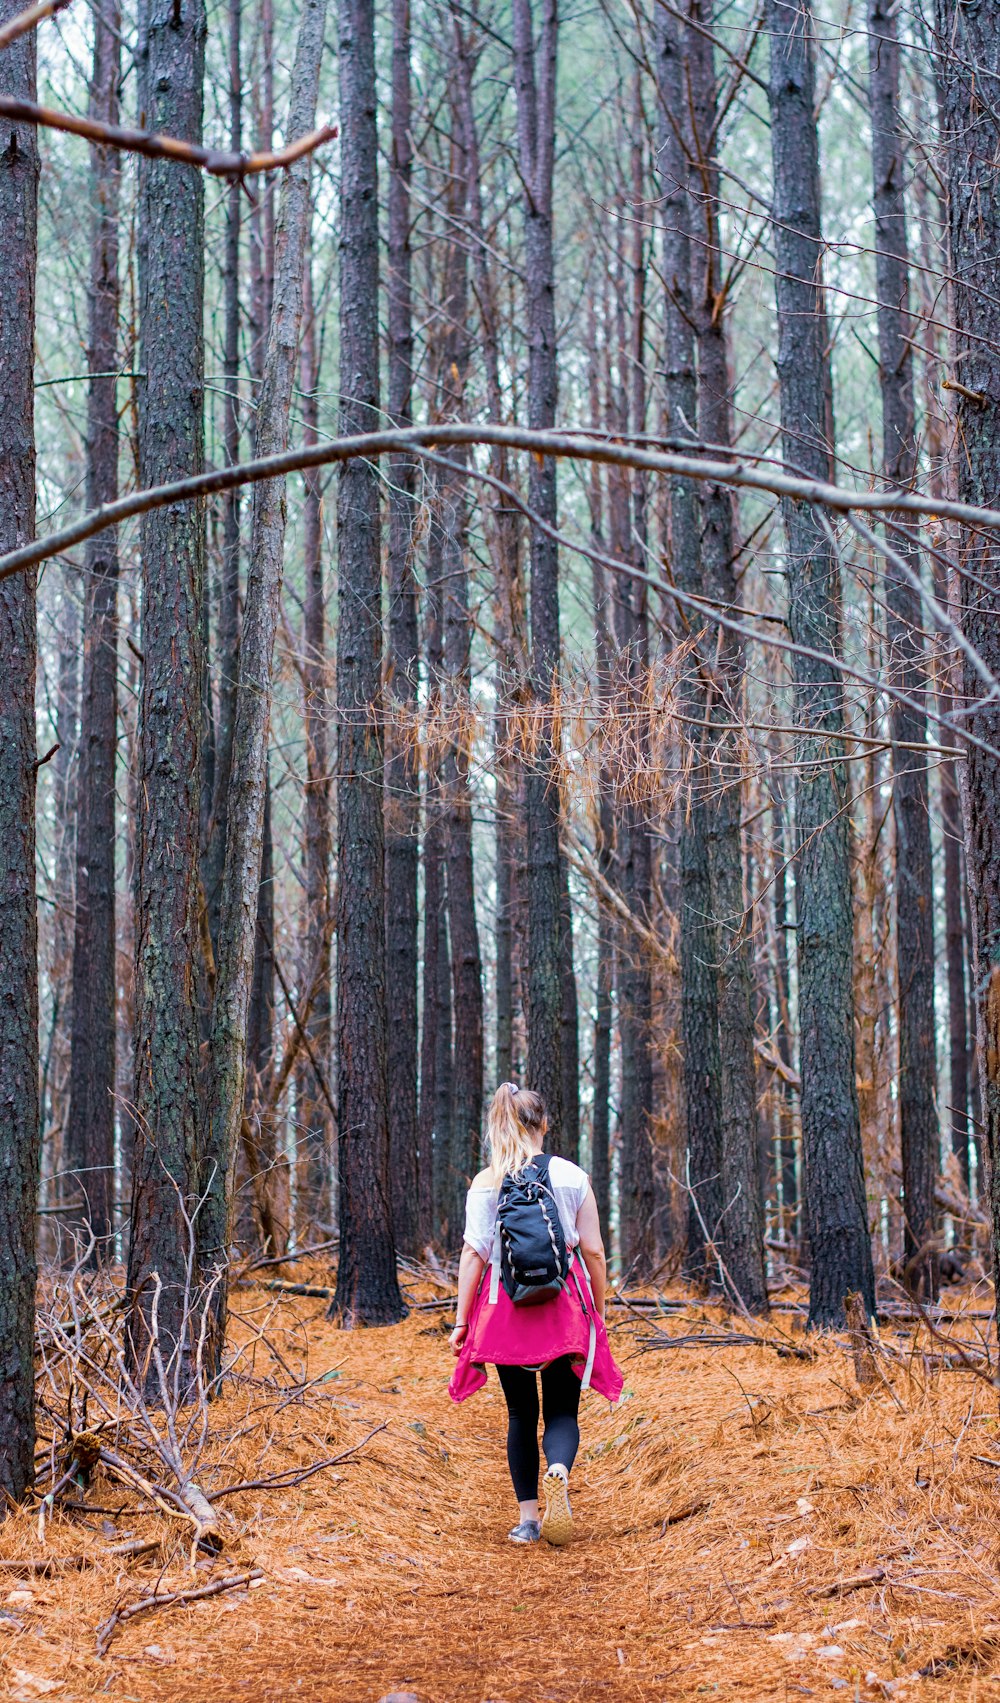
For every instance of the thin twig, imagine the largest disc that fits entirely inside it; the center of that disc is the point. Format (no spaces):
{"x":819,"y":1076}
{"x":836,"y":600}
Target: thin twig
{"x":292,"y":1476}
{"x":146,"y":1605}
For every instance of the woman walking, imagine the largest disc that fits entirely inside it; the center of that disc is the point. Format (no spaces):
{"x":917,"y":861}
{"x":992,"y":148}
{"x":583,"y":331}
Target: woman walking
{"x":531,"y":1289}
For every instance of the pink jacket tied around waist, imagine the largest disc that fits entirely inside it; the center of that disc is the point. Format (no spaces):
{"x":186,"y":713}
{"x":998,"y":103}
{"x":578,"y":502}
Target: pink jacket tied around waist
{"x":501,"y":1334}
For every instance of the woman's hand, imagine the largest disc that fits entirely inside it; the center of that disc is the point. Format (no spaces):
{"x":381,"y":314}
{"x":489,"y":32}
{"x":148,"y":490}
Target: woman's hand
{"x":457,"y":1338}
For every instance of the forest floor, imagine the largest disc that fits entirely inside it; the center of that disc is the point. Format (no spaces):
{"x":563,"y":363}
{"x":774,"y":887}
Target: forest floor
{"x":750,"y":1525}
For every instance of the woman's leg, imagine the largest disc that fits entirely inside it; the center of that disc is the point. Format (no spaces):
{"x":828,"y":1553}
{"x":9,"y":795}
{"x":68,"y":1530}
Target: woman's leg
{"x":520,"y":1388}
{"x":560,"y":1406}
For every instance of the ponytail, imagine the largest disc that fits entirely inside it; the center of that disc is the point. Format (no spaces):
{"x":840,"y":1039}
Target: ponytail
{"x":515,"y":1117}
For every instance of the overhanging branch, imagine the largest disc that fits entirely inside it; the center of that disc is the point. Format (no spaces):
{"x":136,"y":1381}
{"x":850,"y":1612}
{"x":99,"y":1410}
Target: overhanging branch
{"x":574,"y":446}
{"x":215,"y":161}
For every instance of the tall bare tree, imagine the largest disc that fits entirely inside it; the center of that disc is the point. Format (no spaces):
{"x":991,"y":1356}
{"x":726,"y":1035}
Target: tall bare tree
{"x":19,"y":1131}
{"x":89,"y":1142}
{"x":968,"y":46}
{"x":919,"y":1132}
{"x":742,"y":1229}
{"x":535,"y":85}
{"x":367,"y":1290}
{"x":241,"y":882}
{"x":402,"y":775}
{"x":702,"y":1067}
{"x":839,"y":1243}
{"x":168,"y":951}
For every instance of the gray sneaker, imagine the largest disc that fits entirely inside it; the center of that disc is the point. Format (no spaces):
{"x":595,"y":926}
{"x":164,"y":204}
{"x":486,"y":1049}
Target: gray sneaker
{"x":529,"y":1531}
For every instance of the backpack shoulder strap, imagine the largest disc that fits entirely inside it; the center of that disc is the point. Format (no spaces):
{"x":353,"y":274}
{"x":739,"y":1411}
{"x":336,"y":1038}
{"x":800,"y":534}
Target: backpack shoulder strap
{"x":495,"y":1267}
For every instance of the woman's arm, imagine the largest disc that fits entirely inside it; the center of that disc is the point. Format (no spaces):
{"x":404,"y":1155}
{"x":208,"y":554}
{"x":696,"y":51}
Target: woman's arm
{"x":588,"y":1226}
{"x":470,"y":1270}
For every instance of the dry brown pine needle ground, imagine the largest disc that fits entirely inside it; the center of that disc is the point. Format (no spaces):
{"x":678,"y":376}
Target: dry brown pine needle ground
{"x":749,"y":1526}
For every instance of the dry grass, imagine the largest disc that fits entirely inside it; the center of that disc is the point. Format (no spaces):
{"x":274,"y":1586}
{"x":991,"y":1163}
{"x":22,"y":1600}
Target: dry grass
{"x":721,"y":1510}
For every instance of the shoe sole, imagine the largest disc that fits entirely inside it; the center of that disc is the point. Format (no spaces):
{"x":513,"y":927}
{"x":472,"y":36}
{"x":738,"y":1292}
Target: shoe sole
{"x":557,"y":1521}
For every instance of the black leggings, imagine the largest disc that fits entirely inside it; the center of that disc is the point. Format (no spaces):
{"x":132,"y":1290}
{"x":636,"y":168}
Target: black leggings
{"x":560,"y":1405}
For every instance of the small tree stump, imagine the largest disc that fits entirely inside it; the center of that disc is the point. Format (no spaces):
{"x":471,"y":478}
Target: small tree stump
{"x":862,"y":1347}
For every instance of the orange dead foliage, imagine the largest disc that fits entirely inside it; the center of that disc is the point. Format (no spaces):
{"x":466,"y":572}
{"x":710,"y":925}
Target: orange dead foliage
{"x":749,"y":1526}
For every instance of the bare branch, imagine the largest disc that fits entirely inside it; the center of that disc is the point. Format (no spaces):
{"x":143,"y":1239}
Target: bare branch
{"x":29,"y":20}
{"x":566,"y":445}
{"x":215,"y":161}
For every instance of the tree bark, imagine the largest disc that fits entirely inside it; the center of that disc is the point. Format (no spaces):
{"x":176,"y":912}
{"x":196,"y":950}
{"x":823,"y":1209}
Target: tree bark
{"x":315,"y":1120}
{"x":698,"y":953}
{"x":968,"y":45}
{"x":635,"y":992}
{"x":955,"y":935}
{"x":436,"y":1040}
{"x":227,"y":659}
{"x":172,"y":545}
{"x":241,"y":881}
{"x":839,"y":1244}
{"x":402,"y":775}
{"x":783,"y":1031}
{"x":466,"y":965}
{"x":743,"y":1224}
{"x":89,"y":1149}
{"x":505,"y":533}
{"x":535,"y":85}
{"x":600,"y":1129}
{"x":367,"y":1289}
{"x":919,"y":1132}
{"x":19,"y":1109}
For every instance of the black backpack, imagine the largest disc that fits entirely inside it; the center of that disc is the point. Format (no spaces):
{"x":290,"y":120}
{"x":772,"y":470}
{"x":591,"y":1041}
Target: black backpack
{"x":534,"y":1259}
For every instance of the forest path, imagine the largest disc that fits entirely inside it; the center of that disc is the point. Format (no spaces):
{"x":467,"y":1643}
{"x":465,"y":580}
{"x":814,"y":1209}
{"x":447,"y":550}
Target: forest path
{"x":392,"y":1572}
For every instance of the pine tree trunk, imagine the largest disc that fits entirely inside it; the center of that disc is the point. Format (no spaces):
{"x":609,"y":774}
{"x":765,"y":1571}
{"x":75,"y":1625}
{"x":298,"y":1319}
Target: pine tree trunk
{"x":504,"y":531}
{"x":635,"y":1001}
{"x":227,"y":657}
{"x":786,"y":1112}
{"x":89,"y":1143}
{"x":968,"y":42}
{"x":261,"y":1107}
{"x":919,"y":1132}
{"x":19,"y":1108}
{"x":315,"y":1119}
{"x":569,"y":1126}
{"x":466,"y":966}
{"x":436,"y":1039}
{"x":743,"y":1227}
{"x":839,"y":1244}
{"x":402,"y":775}
{"x":242,"y":887}
{"x":172,"y":544}
{"x":367,"y":1289}
{"x":600,"y":1129}
{"x":535,"y":84}
{"x":63,"y":804}
{"x":699,"y":996}
{"x":433,"y":897}
{"x":954,"y":925}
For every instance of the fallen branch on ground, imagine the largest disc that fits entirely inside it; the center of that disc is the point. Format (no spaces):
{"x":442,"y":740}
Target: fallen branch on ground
{"x":170,"y":1599}
{"x":43,"y":1566}
{"x":283,"y":1286}
{"x":844,"y":1587}
{"x":686,"y":1513}
{"x":729,"y":1339}
{"x":288,"y":1479}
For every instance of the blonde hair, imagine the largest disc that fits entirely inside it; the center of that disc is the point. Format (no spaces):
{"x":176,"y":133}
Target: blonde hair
{"x":515,"y":1116}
